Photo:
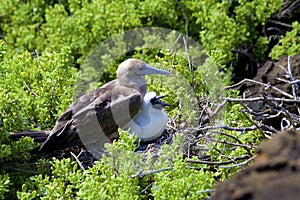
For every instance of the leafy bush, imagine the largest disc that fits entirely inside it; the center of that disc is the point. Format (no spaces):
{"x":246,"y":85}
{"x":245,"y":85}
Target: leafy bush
{"x":81,"y":25}
{"x":4,"y":185}
{"x":289,"y":44}
{"x":34,"y":91}
{"x":227,"y":26}
{"x":36,"y":86}
{"x":120,"y":176}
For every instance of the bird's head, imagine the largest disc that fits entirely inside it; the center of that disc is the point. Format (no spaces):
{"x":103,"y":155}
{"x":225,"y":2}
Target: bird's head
{"x":151,"y":100}
{"x":157,"y":103}
{"x":131,"y":73}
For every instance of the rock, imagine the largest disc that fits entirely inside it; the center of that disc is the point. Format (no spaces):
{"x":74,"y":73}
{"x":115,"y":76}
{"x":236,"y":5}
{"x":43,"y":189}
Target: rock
{"x":268,"y":74}
{"x":274,"y":175}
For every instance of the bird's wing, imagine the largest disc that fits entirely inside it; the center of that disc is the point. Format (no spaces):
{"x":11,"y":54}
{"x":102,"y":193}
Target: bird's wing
{"x":64,"y":133}
{"x":95,"y":116}
{"x":99,"y":122}
{"x":79,"y":104}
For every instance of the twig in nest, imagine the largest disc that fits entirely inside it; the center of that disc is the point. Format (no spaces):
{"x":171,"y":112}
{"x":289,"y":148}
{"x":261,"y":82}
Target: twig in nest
{"x":229,"y":128}
{"x":280,"y":23}
{"x":140,"y":174}
{"x":294,"y":86}
{"x":261,"y":98}
{"x":235,"y":138}
{"x":211,"y":114}
{"x":255,"y":124}
{"x":77,"y":160}
{"x":239,"y":164}
{"x":267,"y":86}
{"x":232,"y":160}
{"x":233,"y":144}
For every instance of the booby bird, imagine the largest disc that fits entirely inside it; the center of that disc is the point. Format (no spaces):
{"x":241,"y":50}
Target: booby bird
{"x":150,"y":121}
{"x":113,"y":105}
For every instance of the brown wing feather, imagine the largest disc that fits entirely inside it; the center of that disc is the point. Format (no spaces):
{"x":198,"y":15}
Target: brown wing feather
{"x":94,"y":117}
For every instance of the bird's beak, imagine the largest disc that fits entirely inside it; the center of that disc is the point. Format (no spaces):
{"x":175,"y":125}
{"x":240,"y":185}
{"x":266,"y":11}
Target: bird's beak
{"x":147,"y":69}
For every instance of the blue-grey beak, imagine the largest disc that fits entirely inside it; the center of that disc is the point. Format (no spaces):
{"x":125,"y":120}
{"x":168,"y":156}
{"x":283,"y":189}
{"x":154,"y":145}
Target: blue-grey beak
{"x":147,"y":69}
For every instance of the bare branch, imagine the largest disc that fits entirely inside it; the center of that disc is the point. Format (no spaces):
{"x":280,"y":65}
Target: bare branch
{"x":77,"y":160}
{"x":267,"y":86}
{"x":261,"y":98}
{"x":217,"y":163}
{"x":32,"y":92}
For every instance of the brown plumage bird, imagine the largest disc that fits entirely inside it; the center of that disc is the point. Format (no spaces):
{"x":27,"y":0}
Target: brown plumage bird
{"x":94,"y":118}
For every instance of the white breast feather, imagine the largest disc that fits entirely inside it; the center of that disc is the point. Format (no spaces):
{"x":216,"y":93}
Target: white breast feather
{"x":149,"y":123}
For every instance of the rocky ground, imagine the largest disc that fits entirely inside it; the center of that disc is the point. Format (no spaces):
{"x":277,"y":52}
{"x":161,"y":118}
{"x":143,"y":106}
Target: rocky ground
{"x":272,"y":95}
{"x":274,"y":175}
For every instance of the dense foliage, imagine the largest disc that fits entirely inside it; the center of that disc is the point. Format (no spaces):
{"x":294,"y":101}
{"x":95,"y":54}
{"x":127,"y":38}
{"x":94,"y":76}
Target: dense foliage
{"x":42,"y":46}
{"x":289,"y":44}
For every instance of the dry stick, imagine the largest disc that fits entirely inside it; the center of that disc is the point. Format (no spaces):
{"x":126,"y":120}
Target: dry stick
{"x":78,"y":161}
{"x":212,"y":114}
{"x":217,"y":163}
{"x":139,"y":174}
{"x":270,"y":128}
{"x":289,"y":8}
{"x":146,"y":188}
{"x":32,"y":92}
{"x":233,"y":144}
{"x":189,"y":189}
{"x":255,"y":124}
{"x":263,"y":84}
{"x":221,"y":154}
{"x":235,"y":138}
{"x":291,"y":116}
{"x":171,"y":47}
{"x":279,"y":112}
{"x":262,"y":98}
{"x":239,"y":164}
{"x":295,"y":81}
{"x":51,"y":99}
{"x":280,"y":23}
{"x":289,"y":74}
{"x":35,"y":123}
{"x":294,"y":86}
{"x":252,"y":112}
{"x":189,"y":61}
{"x":38,"y":57}
{"x":229,"y":128}
{"x":185,"y":17}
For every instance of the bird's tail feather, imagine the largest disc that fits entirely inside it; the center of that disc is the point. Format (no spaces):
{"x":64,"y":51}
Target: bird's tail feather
{"x":38,"y":136}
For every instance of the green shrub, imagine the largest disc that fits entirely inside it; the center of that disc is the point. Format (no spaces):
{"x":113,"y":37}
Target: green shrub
{"x":119,"y":176}
{"x":35,"y":91}
{"x":81,"y":25}
{"x":36,"y":87}
{"x":4,"y":185}
{"x":289,"y":44}
{"x":231,"y":25}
